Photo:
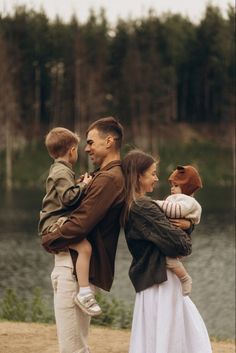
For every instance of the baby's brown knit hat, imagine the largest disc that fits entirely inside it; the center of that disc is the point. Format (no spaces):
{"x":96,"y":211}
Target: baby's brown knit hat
{"x":187,"y":177}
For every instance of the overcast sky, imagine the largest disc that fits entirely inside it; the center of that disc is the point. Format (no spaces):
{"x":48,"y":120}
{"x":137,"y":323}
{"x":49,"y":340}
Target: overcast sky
{"x":116,"y":8}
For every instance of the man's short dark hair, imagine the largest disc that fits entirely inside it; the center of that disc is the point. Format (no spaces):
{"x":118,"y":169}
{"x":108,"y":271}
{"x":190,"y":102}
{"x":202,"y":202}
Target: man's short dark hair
{"x":109,"y":125}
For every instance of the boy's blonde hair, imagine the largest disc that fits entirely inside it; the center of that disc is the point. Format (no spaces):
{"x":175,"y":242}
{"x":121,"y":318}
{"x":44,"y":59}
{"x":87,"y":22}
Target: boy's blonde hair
{"x":59,"y":140}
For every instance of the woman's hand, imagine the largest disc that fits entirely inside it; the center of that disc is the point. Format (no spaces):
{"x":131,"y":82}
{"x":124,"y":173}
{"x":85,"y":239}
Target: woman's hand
{"x":181,"y":223}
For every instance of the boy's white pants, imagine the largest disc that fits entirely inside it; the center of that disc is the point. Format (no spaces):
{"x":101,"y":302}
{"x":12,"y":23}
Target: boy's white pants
{"x":72,"y":324}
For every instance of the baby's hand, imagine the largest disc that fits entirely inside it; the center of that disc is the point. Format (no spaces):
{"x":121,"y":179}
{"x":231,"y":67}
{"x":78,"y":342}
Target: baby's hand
{"x":87,"y":178}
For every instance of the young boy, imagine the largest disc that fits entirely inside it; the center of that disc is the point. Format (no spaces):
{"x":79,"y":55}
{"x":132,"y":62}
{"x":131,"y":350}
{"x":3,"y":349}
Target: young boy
{"x":63,"y":194}
{"x":185,"y":181}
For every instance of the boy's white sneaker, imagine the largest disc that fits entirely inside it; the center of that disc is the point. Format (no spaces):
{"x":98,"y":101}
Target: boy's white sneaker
{"x":88,"y":304}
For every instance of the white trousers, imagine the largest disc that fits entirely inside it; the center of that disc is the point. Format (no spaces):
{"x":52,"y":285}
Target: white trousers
{"x":72,"y":324}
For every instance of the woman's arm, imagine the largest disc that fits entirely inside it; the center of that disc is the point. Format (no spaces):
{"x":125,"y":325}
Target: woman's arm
{"x":182,"y":223}
{"x":151,"y":224}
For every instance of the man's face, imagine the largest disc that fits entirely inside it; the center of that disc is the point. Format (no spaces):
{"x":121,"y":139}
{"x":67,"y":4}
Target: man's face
{"x":96,"y":147}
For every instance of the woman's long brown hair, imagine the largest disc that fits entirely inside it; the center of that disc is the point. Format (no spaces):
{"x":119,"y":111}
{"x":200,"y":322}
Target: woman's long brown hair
{"x":134,"y":164}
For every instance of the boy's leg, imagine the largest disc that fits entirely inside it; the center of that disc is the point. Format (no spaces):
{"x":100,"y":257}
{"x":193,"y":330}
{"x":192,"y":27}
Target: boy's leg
{"x":176,"y":266}
{"x":85,"y":299}
{"x":84,"y":250}
{"x":72,"y":323}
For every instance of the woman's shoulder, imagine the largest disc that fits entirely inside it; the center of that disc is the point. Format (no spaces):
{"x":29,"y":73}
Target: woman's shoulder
{"x":143,"y":204}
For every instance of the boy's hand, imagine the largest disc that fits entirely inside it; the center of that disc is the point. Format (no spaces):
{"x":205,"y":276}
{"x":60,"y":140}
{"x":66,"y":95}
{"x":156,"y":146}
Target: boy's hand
{"x":86,"y":178}
{"x":80,"y":179}
{"x":181,"y":223}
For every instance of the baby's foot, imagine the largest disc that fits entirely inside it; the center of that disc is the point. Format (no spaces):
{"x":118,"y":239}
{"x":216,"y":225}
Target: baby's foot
{"x":186,"y":283}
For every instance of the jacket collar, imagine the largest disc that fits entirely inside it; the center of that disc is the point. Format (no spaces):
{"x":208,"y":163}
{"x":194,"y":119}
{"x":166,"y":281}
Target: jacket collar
{"x":108,"y":166}
{"x":63,"y":162}
{"x":112,"y":164}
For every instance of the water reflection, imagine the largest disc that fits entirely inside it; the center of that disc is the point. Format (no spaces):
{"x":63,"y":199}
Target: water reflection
{"x":24,"y":265}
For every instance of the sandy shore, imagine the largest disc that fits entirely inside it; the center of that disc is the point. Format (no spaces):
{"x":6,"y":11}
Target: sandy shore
{"x":38,"y":338}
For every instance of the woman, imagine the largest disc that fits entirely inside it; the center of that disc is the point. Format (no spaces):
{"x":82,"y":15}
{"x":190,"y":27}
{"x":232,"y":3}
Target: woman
{"x":164,"y":321}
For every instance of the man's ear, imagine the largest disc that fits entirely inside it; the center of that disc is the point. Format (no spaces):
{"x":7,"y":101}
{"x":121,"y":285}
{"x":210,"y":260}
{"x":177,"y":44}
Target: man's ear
{"x":109,"y":141}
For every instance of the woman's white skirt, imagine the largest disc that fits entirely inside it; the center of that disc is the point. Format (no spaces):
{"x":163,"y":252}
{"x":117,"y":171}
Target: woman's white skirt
{"x":164,"y":321}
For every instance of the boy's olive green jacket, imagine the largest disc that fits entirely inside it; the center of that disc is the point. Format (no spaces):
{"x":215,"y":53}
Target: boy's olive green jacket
{"x":97,"y":218}
{"x":150,"y":238}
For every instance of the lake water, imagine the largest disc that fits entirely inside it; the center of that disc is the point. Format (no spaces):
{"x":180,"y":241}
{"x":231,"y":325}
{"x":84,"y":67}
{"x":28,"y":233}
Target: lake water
{"x":24,"y":265}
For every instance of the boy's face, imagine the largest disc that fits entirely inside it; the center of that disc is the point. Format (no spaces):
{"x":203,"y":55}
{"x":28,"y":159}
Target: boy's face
{"x":175,"y":189}
{"x":96,"y":147}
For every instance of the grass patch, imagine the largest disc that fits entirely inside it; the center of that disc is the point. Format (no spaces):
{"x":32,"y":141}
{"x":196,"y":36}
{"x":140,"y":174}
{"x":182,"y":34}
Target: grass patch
{"x":115,"y":313}
{"x":13,"y":307}
{"x":214,"y":163}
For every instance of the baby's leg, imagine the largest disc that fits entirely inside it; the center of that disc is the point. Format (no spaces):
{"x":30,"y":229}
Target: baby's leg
{"x":176,"y":266}
{"x":85,"y":298}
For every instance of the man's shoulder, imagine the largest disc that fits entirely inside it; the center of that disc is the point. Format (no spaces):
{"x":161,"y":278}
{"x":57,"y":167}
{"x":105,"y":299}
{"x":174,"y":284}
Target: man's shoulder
{"x":113,"y":174}
{"x":109,"y":181}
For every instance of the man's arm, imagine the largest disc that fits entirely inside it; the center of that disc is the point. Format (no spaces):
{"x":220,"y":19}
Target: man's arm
{"x":100,"y":196}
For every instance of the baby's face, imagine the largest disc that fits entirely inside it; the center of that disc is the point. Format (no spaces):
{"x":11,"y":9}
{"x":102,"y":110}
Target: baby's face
{"x":175,"y":189}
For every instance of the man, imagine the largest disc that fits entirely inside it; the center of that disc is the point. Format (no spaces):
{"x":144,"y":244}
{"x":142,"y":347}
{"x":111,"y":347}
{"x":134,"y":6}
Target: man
{"x":97,"y":219}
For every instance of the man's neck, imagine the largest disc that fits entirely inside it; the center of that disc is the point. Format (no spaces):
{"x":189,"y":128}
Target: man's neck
{"x":110,"y":158}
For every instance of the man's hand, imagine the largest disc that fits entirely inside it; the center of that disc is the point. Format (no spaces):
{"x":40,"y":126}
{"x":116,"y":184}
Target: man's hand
{"x":181,"y":223}
{"x":57,"y":224}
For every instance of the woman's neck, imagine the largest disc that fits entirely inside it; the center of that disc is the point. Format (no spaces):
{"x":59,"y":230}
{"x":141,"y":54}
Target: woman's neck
{"x":140,"y":194}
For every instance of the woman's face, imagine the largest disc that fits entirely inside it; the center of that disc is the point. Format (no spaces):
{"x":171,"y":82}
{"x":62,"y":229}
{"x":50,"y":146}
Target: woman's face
{"x":148,"y":180}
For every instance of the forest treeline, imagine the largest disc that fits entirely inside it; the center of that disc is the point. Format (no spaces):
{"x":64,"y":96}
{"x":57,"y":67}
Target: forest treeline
{"x":146,"y":72}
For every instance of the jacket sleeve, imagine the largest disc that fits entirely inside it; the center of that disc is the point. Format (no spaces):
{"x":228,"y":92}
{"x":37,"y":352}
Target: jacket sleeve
{"x":153,"y":225}
{"x":182,"y":206}
{"x":68,"y":192}
{"x":99,"y":197}
{"x":172,"y":209}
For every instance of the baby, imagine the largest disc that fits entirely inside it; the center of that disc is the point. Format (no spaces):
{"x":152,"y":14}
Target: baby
{"x":185,"y":181}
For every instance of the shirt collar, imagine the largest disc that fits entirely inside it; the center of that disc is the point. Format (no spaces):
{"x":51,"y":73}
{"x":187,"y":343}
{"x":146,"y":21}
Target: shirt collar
{"x":67,"y":164}
{"x":108,"y":166}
